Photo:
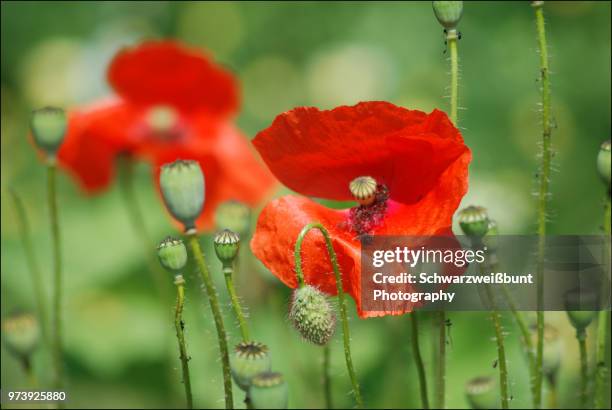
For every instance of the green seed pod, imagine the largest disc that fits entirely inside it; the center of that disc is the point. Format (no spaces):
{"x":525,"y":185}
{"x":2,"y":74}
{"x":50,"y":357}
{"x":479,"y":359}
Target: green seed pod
{"x":233,"y":215}
{"x":48,"y":127}
{"x":603,"y":162}
{"x":182,"y":187}
{"x":312,"y":315}
{"x":227,"y":244}
{"x":474,"y":221}
{"x":481,"y":393}
{"x":248,"y":360}
{"x":553,"y":350}
{"x":172,"y":254}
{"x":268,"y":391}
{"x":491,"y":238}
{"x":575,"y":299}
{"x":21,"y":333}
{"x":448,"y":13}
{"x":363,"y":190}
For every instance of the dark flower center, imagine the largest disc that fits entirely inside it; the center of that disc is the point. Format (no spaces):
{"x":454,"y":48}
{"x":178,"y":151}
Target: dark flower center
{"x":163,"y":122}
{"x":364,"y":218}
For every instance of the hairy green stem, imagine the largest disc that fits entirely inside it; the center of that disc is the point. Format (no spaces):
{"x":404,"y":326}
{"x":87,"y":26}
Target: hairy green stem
{"x":501,"y":350}
{"x":418,"y":360}
{"x":228,"y":271}
{"x":196,"y":250}
{"x":179,"y":324}
{"x":327,"y":387}
{"x":441,"y":368}
{"x":57,"y":273}
{"x":452,"y":38}
{"x":26,"y":240}
{"x":584,"y":367}
{"x":341,"y":298}
{"x":543,"y":193}
{"x":134,"y":210}
{"x":601,"y":393}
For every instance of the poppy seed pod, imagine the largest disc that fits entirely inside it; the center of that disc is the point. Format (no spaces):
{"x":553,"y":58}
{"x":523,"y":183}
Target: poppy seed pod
{"x":603,"y":162}
{"x":363,"y":190}
{"x":491,"y":238}
{"x":474,"y":221}
{"x":575,"y":300}
{"x":182,"y":187}
{"x":481,"y":393}
{"x":21,"y":333}
{"x":312,"y":315}
{"x":48,"y":127}
{"x":268,"y":391}
{"x":553,"y":349}
{"x":448,"y":13}
{"x":227,"y":244}
{"x":172,"y":254}
{"x":233,"y":215}
{"x":248,"y":360}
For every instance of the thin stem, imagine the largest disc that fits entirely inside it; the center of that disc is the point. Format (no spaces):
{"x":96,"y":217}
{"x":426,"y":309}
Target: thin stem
{"x":341,"y":299}
{"x":179,"y":324}
{"x":451,"y":39}
{"x":327,"y":387}
{"x":418,"y":359}
{"x":229,"y":282}
{"x":138,"y":224}
{"x":543,"y":193}
{"x":441,"y":370}
{"x":584,"y":367}
{"x":601,"y":393}
{"x":26,"y":363}
{"x":552,"y":397}
{"x":57,"y":273}
{"x":216,"y":311}
{"x":501,"y":350}
{"x":26,"y":240}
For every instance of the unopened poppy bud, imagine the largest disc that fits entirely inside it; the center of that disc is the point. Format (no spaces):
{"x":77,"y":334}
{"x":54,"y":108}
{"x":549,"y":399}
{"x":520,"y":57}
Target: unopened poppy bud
{"x":21,"y":333}
{"x":576,"y":299}
{"x":227,"y":244}
{"x":448,"y":13}
{"x":182,"y":187}
{"x":363,"y":189}
{"x":48,"y":127}
{"x":269,"y":391}
{"x":474,"y":221}
{"x":553,"y":349}
{"x":248,"y":360}
{"x":233,"y":215}
{"x":603,"y":162}
{"x":312,"y":315}
{"x":172,"y":254}
{"x":481,"y":393}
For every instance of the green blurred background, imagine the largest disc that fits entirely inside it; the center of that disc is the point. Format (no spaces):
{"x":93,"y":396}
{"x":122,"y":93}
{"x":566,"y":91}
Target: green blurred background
{"x":120,"y":346}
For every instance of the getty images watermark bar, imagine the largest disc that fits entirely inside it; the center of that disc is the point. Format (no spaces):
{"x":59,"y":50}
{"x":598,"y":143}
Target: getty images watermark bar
{"x":451,"y":273}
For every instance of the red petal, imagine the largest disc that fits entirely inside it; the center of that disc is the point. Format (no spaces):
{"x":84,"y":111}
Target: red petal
{"x":166,"y":72}
{"x":317,"y":153}
{"x":230,"y":167}
{"x":93,"y":141}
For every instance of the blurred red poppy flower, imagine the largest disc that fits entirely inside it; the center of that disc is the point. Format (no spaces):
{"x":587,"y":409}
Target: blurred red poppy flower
{"x":419,"y":163}
{"x":171,"y":103}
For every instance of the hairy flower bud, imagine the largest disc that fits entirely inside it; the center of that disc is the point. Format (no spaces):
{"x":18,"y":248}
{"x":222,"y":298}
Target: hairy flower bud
{"x":603,"y":162}
{"x":21,"y":333}
{"x":248,"y":360}
{"x":48,"y":127}
{"x":312,"y":315}
{"x":576,"y":299}
{"x":172,"y":254}
{"x":481,"y":393}
{"x":233,"y":215}
{"x":182,"y":187}
{"x":227,"y":244}
{"x":448,"y":13}
{"x":268,"y":391}
{"x":474,"y":221}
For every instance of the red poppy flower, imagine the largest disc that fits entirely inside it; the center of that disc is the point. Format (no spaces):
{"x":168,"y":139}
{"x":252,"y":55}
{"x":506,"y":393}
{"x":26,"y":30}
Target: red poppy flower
{"x":172,"y":103}
{"x":418,"y":160}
